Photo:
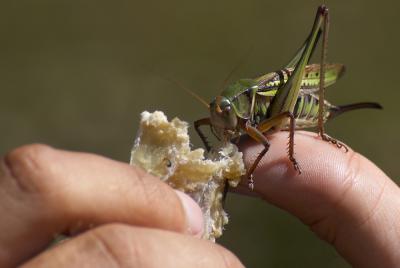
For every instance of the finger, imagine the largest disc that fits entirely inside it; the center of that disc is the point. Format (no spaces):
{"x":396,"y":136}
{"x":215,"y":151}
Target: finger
{"x":44,"y":192}
{"x":126,"y":246}
{"x":343,"y":197}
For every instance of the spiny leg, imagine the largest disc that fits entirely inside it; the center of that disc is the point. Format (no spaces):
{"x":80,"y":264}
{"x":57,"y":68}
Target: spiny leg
{"x":322,"y":73}
{"x":197,"y":124}
{"x":273,"y":121}
{"x":321,"y":98}
{"x":257,"y":135}
{"x":292,"y":126}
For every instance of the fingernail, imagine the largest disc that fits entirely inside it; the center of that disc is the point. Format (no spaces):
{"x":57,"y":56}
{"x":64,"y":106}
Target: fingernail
{"x":193,"y":213}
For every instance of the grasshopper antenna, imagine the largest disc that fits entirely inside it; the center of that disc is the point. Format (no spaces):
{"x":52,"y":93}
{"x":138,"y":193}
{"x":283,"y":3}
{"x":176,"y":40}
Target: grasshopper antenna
{"x":181,"y":86}
{"x":189,"y":91}
{"x":236,"y":67}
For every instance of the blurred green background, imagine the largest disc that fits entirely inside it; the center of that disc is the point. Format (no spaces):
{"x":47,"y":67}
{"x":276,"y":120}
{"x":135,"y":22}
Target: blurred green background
{"x":75,"y":75}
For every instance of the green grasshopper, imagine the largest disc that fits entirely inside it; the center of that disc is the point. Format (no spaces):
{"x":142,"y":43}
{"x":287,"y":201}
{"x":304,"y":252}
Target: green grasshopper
{"x":288,"y":99}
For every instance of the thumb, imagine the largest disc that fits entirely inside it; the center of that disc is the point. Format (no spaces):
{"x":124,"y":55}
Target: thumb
{"x":343,"y":197}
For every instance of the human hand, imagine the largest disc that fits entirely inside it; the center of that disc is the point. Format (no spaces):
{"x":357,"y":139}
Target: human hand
{"x":343,"y":197}
{"x":120,"y":215}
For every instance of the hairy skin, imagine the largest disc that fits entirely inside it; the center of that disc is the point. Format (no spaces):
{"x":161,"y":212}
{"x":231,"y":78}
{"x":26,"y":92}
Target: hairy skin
{"x":123,"y":217}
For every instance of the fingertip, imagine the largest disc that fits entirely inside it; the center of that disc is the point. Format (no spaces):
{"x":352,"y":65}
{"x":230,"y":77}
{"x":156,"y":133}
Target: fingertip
{"x":314,"y":156}
{"x":324,"y":172}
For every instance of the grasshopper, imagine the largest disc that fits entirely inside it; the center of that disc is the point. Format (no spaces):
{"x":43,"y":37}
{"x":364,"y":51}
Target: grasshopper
{"x":288,"y":99}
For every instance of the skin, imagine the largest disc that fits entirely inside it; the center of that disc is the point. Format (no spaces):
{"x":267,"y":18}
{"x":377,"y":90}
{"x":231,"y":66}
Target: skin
{"x":343,"y":197}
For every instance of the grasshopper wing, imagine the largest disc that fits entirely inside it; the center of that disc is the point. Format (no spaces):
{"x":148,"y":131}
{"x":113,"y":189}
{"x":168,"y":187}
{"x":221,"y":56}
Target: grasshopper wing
{"x":286,"y":96}
{"x":311,"y":79}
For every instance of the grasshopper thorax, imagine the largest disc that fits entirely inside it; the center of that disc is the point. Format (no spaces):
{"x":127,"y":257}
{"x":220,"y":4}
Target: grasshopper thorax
{"x":222,"y":116}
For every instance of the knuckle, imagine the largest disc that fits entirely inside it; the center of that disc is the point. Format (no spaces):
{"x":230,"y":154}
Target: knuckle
{"x":27,"y":164}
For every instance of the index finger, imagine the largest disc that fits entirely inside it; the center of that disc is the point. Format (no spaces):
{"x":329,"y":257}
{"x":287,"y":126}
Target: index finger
{"x":45,"y":192}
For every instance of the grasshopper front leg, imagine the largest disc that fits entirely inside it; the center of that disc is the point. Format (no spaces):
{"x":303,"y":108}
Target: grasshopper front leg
{"x":197,"y":124}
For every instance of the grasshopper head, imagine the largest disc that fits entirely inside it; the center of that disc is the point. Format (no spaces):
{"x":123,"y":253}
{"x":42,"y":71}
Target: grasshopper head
{"x":222,"y":114}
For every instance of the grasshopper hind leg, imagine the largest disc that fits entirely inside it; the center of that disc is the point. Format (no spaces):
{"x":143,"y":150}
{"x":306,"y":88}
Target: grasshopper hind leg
{"x":338,"y":144}
{"x":277,"y":120}
{"x":292,"y":127}
{"x":257,"y":134}
{"x":324,"y":11}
